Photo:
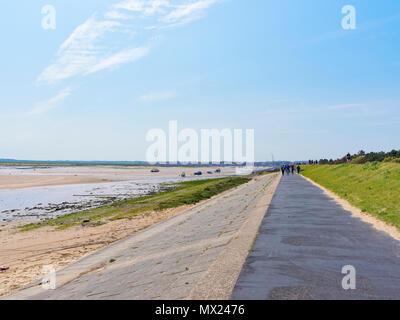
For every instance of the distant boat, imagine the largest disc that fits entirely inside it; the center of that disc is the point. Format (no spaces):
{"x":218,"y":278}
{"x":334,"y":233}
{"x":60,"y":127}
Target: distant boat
{"x":209,"y":172}
{"x":155,"y":170}
{"x":183,"y":175}
{"x":218,"y":171}
{"x":199,"y":173}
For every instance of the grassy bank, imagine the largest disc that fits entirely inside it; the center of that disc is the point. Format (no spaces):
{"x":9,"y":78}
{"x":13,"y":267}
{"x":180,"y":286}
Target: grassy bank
{"x":189,"y":192}
{"x":373,"y":187}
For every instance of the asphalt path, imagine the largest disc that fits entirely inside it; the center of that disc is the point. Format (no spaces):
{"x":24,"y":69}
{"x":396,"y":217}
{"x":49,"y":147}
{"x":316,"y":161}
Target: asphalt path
{"x":305,"y":240}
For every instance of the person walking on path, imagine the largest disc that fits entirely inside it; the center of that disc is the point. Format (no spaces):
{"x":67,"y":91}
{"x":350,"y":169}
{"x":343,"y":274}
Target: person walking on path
{"x":292,"y":168}
{"x":283,"y":170}
{"x":298,"y":169}
{"x":287,"y":169}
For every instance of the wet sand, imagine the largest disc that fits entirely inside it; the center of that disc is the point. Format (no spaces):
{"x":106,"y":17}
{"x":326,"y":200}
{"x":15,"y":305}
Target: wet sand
{"x":12,"y":178}
{"x":32,"y":193}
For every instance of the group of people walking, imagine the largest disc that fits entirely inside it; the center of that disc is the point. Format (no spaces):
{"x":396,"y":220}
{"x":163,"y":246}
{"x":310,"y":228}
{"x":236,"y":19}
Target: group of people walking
{"x":286,"y":168}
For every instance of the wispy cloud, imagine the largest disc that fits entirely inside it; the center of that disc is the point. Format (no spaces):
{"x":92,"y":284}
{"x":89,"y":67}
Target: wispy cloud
{"x":47,"y":105}
{"x":119,"y":58}
{"x":114,"y":14}
{"x":187,"y":12}
{"x":145,"y":7}
{"x":105,"y":41}
{"x":83,"y":53}
{"x":158,"y":96}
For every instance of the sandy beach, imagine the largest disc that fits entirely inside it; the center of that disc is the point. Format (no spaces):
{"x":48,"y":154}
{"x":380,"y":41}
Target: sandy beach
{"x":12,"y":182}
{"x":39,"y":193}
{"x":27,"y":252}
{"x":20,"y":178}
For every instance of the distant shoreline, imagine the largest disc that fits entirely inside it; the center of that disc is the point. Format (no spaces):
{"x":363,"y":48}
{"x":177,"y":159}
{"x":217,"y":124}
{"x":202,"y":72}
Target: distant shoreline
{"x":42,"y":192}
{"x":14,"y":162}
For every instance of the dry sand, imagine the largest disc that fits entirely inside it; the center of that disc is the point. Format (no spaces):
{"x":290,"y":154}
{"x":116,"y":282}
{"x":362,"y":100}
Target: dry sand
{"x":12,"y":182}
{"x":27,"y":252}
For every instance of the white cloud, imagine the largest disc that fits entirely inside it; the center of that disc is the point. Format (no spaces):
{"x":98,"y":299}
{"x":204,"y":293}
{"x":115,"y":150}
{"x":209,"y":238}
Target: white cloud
{"x":51,"y":103}
{"x":116,"y":15}
{"x":188,"y":12}
{"x":146,"y":7}
{"x":175,"y":11}
{"x":158,"y":96}
{"x":105,"y":43}
{"x":119,"y":58}
{"x":80,"y":52}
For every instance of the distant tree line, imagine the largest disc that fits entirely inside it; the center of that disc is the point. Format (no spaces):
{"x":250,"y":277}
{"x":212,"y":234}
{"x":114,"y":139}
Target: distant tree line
{"x":363,"y":157}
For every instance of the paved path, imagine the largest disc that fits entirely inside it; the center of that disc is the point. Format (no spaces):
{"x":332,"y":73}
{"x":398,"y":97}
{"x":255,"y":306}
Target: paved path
{"x":305,"y":240}
{"x":165,"y":261}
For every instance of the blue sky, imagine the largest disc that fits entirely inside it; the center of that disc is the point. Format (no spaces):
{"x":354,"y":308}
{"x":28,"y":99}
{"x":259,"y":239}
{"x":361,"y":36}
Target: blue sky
{"x":112,"y":70}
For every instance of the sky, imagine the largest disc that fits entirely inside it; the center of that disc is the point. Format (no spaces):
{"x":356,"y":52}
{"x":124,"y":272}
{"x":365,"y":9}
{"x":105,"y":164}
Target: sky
{"x":111,"y":70}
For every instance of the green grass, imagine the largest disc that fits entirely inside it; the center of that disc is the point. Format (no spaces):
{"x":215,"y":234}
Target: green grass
{"x":185,"y":193}
{"x":373,"y":187}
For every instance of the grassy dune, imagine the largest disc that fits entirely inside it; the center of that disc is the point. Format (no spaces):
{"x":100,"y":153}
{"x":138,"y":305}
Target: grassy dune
{"x":373,"y":187}
{"x":189,"y":192}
